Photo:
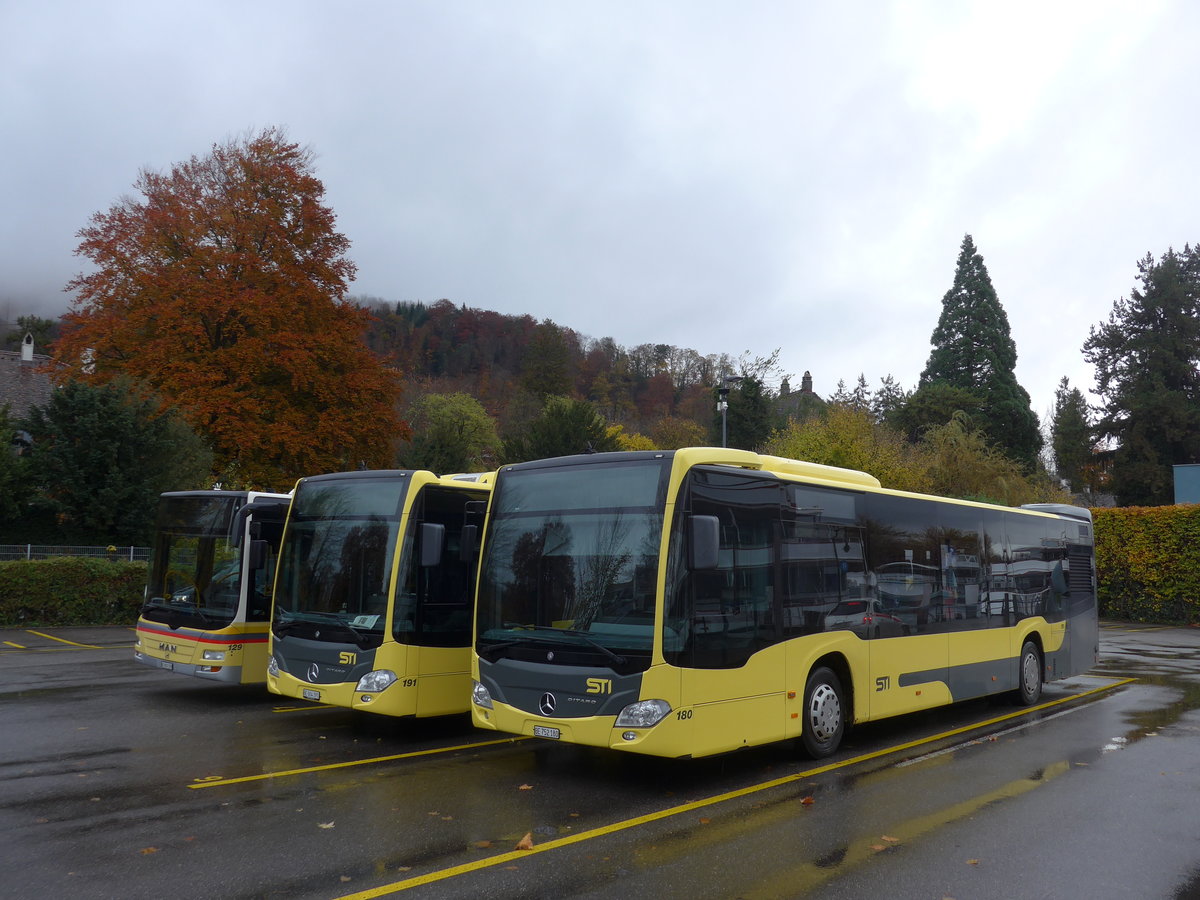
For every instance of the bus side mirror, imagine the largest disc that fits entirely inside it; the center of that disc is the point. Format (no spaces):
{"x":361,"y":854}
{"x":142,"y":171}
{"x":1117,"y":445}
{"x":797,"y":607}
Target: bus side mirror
{"x":258,"y":555}
{"x":468,"y":542}
{"x":704,"y":542}
{"x":433,"y":541}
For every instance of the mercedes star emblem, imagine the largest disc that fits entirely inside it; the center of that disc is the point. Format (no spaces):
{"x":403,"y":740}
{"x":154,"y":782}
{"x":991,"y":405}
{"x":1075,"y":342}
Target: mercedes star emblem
{"x":547,"y":704}
{"x":313,"y":672}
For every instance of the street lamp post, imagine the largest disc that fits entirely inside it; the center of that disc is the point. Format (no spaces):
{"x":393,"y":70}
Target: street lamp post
{"x":723,"y":403}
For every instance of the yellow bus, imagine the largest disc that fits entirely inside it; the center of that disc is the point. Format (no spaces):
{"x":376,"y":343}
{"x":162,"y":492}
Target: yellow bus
{"x":372,"y":603}
{"x":208,"y":588}
{"x":698,"y":601}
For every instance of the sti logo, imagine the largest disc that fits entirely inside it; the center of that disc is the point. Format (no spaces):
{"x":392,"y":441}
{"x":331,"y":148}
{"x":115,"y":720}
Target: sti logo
{"x":599,"y":686}
{"x":347,"y":659}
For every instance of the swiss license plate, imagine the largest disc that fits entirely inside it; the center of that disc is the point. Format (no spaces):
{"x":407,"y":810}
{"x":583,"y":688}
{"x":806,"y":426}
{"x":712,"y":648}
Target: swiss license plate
{"x":169,"y":666}
{"x":543,"y":732}
{"x":310,"y":694}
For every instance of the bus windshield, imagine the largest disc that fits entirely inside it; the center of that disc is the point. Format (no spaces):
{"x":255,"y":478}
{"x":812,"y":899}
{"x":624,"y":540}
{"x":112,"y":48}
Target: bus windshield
{"x":336,"y":560}
{"x":195,"y":572}
{"x":571,"y":562}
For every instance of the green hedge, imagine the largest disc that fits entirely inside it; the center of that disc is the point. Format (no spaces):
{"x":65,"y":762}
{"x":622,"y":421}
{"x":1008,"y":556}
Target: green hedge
{"x":1148,"y":563}
{"x":70,"y":591}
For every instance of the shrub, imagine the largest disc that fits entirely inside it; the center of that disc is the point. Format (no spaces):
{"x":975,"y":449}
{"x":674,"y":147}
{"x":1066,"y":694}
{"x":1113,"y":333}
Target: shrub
{"x":70,"y":591}
{"x":1148,"y":563}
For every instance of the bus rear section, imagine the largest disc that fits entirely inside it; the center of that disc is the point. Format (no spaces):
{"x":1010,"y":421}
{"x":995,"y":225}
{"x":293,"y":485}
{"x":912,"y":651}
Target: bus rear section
{"x":373,"y":594}
{"x":693,"y":602}
{"x":208,"y":603}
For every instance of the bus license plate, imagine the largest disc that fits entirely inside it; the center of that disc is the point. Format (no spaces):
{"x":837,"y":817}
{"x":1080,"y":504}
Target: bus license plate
{"x":310,"y":694}
{"x":169,"y":666}
{"x":543,"y":732}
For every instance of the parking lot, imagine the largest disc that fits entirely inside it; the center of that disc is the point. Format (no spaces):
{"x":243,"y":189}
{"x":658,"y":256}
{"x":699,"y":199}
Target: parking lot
{"x":118,"y":780}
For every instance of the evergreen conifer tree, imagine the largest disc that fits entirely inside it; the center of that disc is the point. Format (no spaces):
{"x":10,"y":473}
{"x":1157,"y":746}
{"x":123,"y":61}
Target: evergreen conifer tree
{"x":1071,"y":435}
{"x":1147,"y":356}
{"x":973,"y":350}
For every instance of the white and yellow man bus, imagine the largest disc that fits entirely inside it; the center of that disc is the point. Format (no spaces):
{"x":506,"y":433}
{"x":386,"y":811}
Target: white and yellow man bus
{"x":694,"y":602}
{"x":373,"y":592}
{"x":208,"y":597}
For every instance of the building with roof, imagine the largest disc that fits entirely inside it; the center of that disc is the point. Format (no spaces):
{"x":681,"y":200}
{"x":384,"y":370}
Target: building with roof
{"x":798,"y":405}
{"x":24,"y":379}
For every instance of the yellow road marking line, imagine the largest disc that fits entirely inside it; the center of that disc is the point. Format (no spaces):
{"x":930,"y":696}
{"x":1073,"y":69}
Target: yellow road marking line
{"x":63,"y":640}
{"x":68,"y":649}
{"x":625,"y":825}
{"x":18,"y":646}
{"x":287,"y":709}
{"x":807,"y":876}
{"x":218,"y":781}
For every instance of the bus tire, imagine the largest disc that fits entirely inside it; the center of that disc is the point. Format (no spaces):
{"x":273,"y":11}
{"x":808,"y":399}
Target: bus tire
{"x":824,"y":713}
{"x":1029,"y":675}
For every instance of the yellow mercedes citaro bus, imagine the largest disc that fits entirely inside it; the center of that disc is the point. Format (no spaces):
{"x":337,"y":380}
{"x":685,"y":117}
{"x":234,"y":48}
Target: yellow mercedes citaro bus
{"x":698,"y":601}
{"x":373,"y":591}
{"x":208,"y":598}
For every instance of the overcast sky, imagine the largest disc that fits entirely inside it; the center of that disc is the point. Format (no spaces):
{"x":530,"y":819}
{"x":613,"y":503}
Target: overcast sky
{"x":728,"y":177}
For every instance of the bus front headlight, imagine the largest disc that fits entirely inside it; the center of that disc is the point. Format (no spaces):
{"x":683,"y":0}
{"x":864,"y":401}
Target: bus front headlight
{"x":643,"y":714}
{"x":273,"y":667}
{"x":480,"y":695}
{"x":374,"y":682}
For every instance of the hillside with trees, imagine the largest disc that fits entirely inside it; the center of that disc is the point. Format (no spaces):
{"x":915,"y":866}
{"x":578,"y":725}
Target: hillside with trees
{"x":217,"y":325}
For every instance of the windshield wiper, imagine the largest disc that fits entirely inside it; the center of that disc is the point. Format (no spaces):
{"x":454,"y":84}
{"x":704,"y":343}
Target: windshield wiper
{"x":582,"y":635}
{"x":283,"y":626}
{"x":174,"y":615}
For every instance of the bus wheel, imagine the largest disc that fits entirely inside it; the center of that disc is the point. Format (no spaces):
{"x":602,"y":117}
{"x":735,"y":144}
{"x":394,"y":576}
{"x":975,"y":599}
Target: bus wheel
{"x":1030,"y":673}
{"x":824,"y":713}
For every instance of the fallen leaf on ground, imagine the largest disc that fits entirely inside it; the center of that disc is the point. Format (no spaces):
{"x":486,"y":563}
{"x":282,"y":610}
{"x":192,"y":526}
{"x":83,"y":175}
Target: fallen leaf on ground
{"x":807,"y":801}
{"x":324,"y":824}
{"x":972,"y":862}
{"x":705,"y":821}
{"x":146,"y":851}
{"x":890,"y":839}
{"x":526,"y":843}
{"x":346,"y":878}
{"x":525,"y":787}
{"x":483,"y":845}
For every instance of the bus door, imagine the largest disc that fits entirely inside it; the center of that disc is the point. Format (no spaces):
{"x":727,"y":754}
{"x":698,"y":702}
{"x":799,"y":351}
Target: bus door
{"x":432,"y":609}
{"x":908,"y":665}
{"x":731,"y":678}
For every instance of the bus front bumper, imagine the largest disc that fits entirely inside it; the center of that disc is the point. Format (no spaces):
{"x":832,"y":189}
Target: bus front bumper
{"x":596,"y":731}
{"x":221,"y":673}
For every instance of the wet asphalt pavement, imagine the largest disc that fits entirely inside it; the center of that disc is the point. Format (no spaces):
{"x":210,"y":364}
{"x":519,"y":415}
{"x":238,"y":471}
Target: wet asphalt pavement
{"x":120,"y":781}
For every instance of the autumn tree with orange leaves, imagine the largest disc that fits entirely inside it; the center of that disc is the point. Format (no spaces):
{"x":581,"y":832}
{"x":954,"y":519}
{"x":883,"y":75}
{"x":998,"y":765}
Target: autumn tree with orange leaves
{"x":223,"y":287}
